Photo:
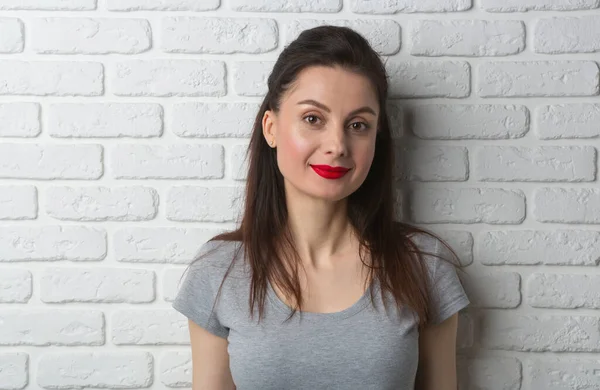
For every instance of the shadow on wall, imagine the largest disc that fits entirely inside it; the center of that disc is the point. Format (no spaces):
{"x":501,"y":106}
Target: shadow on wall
{"x":445,"y":184}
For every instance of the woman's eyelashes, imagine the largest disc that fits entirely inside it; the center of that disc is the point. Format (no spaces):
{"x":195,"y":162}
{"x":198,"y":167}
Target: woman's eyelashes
{"x":313,"y":121}
{"x":365,"y":128}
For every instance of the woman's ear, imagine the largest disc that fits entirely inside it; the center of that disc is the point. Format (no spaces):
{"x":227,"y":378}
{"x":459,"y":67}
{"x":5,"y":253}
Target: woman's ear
{"x":269,"y":127}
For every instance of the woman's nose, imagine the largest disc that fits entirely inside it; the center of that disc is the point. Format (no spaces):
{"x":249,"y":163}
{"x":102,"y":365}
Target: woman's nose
{"x":336,"y":142}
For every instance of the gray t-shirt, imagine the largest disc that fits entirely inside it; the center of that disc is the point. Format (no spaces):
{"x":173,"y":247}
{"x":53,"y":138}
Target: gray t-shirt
{"x":357,"y":348}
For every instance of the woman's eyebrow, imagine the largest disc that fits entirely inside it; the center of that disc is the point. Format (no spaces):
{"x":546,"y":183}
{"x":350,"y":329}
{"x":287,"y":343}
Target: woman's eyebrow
{"x":366,"y":109}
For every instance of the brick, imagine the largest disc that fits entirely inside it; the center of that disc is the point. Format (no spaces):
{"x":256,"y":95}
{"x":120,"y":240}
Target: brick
{"x":15,"y":370}
{"x":103,"y":120}
{"x":209,"y":120}
{"x":169,"y":78}
{"x":171,"y":282}
{"x":207,"y":204}
{"x":286,"y":5}
{"x":469,"y":121}
{"x":55,"y":78}
{"x":250,"y":77}
{"x":48,"y":5}
{"x":473,"y":38}
{"x":563,"y":373}
{"x":11,"y":35}
{"x":183,"y":34}
{"x":567,"y":35}
{"x":44,"y":327}
{"x":563,"y":291}
{"x":465,"y":331}
{"x":494,"y":290}
{"x":460,"y":241}
{"x":15,"y":287}
{"x":90,"y":35}
{"x":19,"y":119}
{"x":564,"y":121}
{"x":52,"y":243}
{"x":539,"y":164}
{"x":102,"y":369}
{"x":239,"y":162}
{"x":134,"y":203}
{"x":408,"y":6}
{"x":383,"y":35}
{"x":176,"y":368}
{"x":48,"y":162}
{"x":535,"y":247}
{"x":567,"y":205}
{"x":18,"y":202}
{"x":432,"y":163}
{"x":149,"y":327}
{"x":162,"y":5}
{"x":537,"y":5}
{"x":538,"y":78}
{"x":539,"y":333}
{"x":450,"y":79}
{"x":176,"y":245}
{"x":97,"y":285}
{"x":178,"y":161}
{"x":468,"y":205}
{"x":489,"y":373}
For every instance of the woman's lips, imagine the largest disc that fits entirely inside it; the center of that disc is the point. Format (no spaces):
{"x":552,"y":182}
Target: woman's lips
{"x":329,"y":172}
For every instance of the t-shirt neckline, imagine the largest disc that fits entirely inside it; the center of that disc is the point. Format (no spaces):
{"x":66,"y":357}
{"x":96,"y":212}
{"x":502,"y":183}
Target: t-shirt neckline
{"x":338,"y":315}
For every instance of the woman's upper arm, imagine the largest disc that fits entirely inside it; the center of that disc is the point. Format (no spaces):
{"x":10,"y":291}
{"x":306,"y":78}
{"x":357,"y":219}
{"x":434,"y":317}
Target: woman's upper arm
{"x":437,"y":356}
{"x":210,"y":360}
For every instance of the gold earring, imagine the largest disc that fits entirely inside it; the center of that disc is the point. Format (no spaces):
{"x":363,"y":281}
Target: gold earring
{"x":271,"y":142}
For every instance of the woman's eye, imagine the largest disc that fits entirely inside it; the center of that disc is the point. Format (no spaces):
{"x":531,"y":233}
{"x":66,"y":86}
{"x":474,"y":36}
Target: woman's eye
{"x":365,"y":126}
{"x":313,"y":117}
{"x":313,"y":120}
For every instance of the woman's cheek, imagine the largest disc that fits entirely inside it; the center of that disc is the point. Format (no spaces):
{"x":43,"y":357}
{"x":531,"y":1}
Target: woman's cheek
{"x":297,"y":149}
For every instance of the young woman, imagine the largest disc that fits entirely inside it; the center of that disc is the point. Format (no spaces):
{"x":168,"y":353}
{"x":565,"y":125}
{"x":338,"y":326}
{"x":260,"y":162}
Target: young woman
{"x":346,"y":297}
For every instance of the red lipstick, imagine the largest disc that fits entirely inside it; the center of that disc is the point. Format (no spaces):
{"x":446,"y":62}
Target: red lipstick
{"x":329,"y":172}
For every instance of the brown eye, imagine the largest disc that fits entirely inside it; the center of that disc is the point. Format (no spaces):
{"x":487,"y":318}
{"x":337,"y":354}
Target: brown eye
{"x":364,"y":128}
{"x":316,"y":118}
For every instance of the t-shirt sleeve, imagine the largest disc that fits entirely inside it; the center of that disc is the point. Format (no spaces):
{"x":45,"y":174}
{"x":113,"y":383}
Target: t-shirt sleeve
{"x":448,"y":295}
{"x":197,"y":294}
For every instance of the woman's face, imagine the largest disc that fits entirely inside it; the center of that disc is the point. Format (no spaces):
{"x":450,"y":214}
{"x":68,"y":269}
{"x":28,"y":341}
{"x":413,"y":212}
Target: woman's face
{"x":328,"y":117}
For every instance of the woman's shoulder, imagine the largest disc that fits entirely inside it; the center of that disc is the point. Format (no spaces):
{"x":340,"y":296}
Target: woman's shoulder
{"x":425,"y":242}
{"x":214,"y":251}
{"x":216,"y":256}
{"x":447,"y":293}
{"x":436,"y":256}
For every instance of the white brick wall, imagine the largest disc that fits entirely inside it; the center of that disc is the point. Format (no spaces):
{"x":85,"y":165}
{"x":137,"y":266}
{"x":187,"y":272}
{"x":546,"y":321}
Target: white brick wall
{"x":123,"y":127}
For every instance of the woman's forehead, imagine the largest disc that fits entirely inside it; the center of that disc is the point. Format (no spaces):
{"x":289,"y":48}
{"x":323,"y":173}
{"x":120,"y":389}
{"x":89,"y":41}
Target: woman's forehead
{"x":332,"y":87}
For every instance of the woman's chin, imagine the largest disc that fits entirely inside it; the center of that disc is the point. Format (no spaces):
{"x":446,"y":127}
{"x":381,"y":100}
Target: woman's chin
{"x":331,"y":196}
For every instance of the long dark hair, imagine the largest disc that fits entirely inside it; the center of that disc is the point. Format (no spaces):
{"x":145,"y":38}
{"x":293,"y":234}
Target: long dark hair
{"x":263,"y":229}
